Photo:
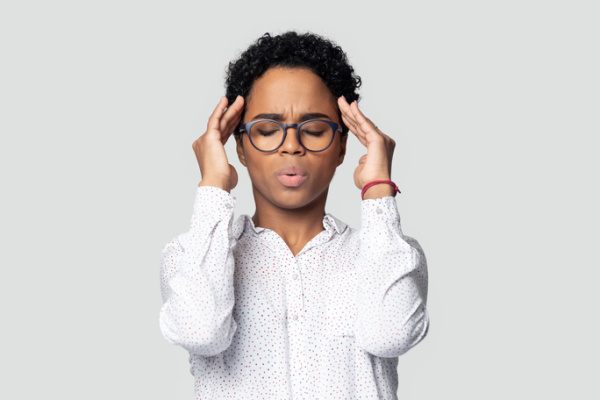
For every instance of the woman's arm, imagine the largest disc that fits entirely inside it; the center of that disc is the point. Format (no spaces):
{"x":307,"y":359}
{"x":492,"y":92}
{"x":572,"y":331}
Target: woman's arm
{"x":197,"y":278}
{"x":392,"y":293}
{"x":198,"y":267}
{"x":392,"y":315}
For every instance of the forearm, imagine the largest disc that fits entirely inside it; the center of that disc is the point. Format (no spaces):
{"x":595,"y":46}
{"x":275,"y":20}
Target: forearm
{"x":392,"y":315}
{"x":197,"y":279}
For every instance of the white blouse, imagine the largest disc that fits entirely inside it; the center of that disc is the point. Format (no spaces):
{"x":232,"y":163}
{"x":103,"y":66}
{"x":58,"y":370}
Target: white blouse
{"x":260,"y":323}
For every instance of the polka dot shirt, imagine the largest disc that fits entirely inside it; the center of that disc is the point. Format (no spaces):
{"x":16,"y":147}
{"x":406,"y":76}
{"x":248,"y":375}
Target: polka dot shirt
{"x":259,"y":323}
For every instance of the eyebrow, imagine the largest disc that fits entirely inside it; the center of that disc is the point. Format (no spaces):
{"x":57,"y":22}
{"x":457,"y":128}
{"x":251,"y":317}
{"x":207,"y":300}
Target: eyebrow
{"x":280,"y":117}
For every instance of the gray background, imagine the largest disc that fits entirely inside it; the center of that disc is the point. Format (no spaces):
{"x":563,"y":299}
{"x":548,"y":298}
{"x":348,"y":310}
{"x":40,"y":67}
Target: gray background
{"x":494,"y":106}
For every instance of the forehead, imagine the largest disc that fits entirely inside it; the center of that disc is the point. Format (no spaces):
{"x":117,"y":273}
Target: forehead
{"x":290,"y":90}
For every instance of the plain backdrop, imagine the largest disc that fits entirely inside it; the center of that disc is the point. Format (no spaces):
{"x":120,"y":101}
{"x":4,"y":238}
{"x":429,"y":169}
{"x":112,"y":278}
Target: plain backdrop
{"x":494,"y":106}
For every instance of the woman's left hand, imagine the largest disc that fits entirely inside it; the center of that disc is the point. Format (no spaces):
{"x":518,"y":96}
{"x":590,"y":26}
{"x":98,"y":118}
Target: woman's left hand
{"x":377,"y":163}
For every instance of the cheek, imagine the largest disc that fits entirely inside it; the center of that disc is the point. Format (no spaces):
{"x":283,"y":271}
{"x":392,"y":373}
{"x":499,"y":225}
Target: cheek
{"x":325,"y":170}
{"x":334,"y":157}
{"x":258,"y":166}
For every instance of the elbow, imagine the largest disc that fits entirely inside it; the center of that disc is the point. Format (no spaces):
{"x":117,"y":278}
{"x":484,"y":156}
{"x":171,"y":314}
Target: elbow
{"x":198,"y":340}
{"x":393,"y":341}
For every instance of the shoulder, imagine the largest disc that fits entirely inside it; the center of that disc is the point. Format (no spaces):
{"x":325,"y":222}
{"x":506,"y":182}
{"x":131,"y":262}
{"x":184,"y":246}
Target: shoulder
{"x":339,"y":230}
{"x":242,"y":224}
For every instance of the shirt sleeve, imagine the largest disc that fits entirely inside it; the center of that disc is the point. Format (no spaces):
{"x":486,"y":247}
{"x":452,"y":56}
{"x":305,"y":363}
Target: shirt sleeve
{"x":392,"y":295}
{"x":196,"y":278}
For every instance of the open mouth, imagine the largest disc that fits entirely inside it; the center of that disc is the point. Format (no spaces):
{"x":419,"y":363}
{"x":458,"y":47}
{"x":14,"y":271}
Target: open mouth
{"x":291,"y":180}
{"x":291,"y":176}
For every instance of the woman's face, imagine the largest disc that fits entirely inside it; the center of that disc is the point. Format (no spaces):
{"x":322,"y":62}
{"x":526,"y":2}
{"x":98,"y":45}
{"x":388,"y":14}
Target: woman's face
{"x":291,"y":177}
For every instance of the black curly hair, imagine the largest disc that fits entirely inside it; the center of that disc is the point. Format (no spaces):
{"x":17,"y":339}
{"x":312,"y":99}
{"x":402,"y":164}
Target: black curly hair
{"x":293,"y":50}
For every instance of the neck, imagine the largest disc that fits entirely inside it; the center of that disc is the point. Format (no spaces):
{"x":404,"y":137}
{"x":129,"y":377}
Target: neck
{"x":296,"y":226}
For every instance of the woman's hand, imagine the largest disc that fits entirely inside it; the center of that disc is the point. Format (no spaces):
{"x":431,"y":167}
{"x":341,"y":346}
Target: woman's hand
{"x":377,"y":163}
{"x":209,"y":148}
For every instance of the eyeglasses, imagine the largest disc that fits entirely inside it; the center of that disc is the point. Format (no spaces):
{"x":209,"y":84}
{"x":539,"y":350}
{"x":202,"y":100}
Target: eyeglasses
{"x":268,"y":135}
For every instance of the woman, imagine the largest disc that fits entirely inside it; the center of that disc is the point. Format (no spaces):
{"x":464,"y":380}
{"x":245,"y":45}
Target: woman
{"x":292,"y":302}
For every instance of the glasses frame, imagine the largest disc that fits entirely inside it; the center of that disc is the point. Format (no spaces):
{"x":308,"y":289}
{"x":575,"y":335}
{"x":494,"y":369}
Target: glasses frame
{"x":247,"y":126}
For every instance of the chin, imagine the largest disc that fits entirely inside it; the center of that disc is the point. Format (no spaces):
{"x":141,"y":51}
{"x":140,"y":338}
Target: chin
{"x":294,"y":199}
{"x":295,"y":202}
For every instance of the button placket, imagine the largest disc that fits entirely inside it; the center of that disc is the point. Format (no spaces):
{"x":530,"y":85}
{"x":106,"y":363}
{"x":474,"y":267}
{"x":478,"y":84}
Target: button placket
{"x":299,"y":283}
{"x":300,"y":361}
{"x":294,"y":289}
{"x":297,"y":337}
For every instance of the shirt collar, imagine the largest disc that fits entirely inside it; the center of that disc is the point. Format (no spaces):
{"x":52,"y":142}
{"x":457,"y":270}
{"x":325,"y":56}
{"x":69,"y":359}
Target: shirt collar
{"x":330,"y":223}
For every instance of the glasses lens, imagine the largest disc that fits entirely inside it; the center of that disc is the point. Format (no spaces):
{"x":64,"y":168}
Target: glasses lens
{"x":266,"y":135}
{"x":315,"y":135}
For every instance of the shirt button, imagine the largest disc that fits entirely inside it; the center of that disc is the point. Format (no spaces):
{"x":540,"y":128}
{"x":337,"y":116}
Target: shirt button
{"x":295,"y":317}
{"x":379,"y":211}
{"x":295,"y":276}
{"x":228,"y":205}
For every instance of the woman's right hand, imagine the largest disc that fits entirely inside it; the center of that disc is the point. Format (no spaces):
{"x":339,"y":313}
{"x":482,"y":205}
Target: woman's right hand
{"x":209,"y":148}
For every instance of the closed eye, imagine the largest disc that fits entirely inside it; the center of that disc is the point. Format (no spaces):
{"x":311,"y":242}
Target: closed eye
{"x":265,"y":132}
{"x":312,"y":133}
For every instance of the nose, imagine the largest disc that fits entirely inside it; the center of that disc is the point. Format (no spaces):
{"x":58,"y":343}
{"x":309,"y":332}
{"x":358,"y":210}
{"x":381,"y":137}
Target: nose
{"x":291,"y":145}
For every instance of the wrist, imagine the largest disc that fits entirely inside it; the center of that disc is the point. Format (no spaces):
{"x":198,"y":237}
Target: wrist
{"x":378,"y":191}
{"x":215,"y":183}
{"x":379,"y":188}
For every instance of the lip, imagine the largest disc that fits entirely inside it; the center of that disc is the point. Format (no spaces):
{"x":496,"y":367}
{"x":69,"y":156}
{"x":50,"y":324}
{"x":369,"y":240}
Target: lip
{"x":291,"y":176}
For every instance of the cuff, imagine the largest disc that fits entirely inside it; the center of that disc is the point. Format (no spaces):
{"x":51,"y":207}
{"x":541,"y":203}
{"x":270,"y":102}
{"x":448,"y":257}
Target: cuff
{"x":213,"y":202}
{"x":380,"y":212}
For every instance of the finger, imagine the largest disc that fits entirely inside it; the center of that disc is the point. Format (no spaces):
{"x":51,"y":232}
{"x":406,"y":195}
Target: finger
{"x":351,"y":124}
{"x":358,"y":124}
{"x":347,"y":116}
{"x":215,"y":117}
{"x":343,"y":104}
{"x":367,"y":129}
{"x":231,"y":117}
{"x":362,"y":121}
{"x":354,"y":128}
{"x":345,"y":109}
{"x":362,"y":127}
{"x":230,"y":130}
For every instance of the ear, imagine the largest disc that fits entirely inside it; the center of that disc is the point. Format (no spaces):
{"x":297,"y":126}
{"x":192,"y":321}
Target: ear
{"x":239,"y":146}
{"x":343,"y":140}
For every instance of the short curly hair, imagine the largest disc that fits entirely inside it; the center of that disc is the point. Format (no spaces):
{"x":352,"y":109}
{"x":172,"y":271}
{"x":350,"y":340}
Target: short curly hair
{"x":293,"y":50}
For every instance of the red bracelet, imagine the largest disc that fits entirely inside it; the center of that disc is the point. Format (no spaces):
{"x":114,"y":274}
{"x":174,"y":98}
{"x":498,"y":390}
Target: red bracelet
{"x":368,"y":185}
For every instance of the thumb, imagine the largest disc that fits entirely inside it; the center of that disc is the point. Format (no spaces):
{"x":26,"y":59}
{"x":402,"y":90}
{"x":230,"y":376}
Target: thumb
{"x":234,"y":176}
{"x":357,"y":172}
